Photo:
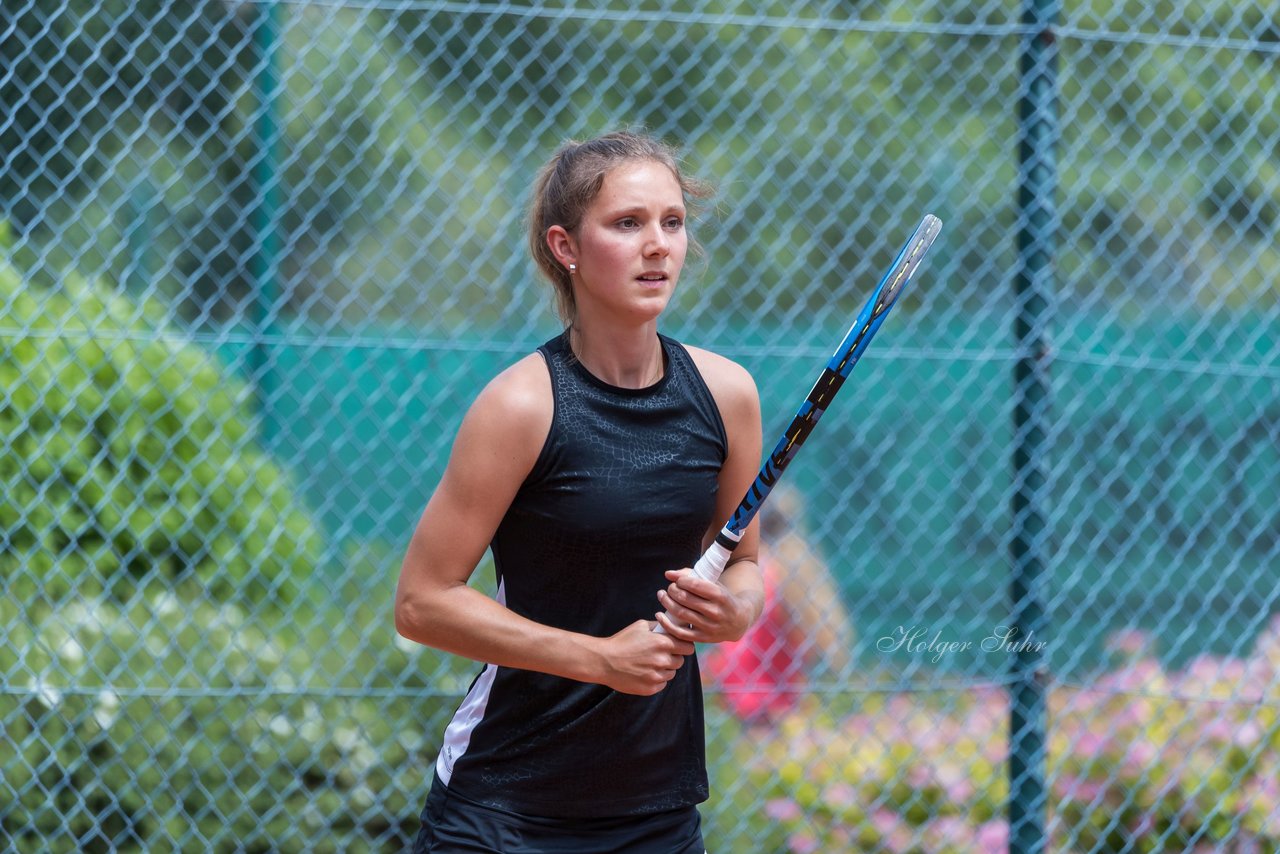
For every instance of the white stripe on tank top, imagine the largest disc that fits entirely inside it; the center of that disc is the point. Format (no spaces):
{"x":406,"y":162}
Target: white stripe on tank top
{"x":457,"y":736}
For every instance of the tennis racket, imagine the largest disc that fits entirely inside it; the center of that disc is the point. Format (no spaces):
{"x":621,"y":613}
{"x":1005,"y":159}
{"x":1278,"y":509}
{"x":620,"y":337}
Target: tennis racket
{"x":714,"y":559}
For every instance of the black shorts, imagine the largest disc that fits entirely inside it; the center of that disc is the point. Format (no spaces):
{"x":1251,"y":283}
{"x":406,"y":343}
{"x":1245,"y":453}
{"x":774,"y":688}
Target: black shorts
{"x":452,"y":824}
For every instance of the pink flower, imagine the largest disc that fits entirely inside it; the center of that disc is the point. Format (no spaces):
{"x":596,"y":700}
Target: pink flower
{"x":1137,"y":712}
{"x":885,"y":821}
{"x":900,"y":707}
{"x":1091,"y":745}
{"x":954,"y":780}
{"x":993,"y":837}
{"x":1219,"y":730}
{"x":1130,"y":642}
{"x":1140,"y":676}
{"x":1259,"y":676}
{"x":1247,"y":735}
{"x":992,"y":697}
{"x":1139,"y":756}
{"x":1210,"y":676}
{"x":1080,"y":789}
{"x":1270,"y":786}
{"x":803,"y":843}
{"x":1203,"y":669}
{"x":782,"y":809}
{"x":1233,"y":670}
{"x":859,"y":725}
{"x":949,"y":831}
{"x":1144,"y":825}
{"x":901,"y":841}
{"x":1247,"y":843}
{"x":840,"y":795}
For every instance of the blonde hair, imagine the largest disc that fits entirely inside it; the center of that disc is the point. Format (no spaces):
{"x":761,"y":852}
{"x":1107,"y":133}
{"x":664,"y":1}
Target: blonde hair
{"x":570,"y":181}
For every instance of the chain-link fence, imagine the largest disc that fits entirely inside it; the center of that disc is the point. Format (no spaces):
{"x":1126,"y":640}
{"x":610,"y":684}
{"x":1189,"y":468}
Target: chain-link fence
{"x":260,"y":256}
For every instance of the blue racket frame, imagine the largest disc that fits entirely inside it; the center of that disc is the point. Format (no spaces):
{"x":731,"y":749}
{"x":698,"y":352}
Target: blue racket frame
{"x":833,"y":376}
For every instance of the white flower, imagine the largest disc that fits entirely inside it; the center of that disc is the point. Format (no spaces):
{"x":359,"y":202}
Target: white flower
{"x":345,"y":737}
{"x":48,"y":694}
{"x":362,"y":795}
{"x":71,"y":650}
{"x":412,"y":741}
{"x":74,"y":615}
{"x":231,"y":615}
{"x":107,"y":708}
{"x":363,"y":758}
{"x":270,"y":652}
{"x":166,"y":604}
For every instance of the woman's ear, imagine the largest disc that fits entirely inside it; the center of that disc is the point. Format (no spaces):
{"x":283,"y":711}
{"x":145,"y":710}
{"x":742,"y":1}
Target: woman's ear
{"x":560,"y":242}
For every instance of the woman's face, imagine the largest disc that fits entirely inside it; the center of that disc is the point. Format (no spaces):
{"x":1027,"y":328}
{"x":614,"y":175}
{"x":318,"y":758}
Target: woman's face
{"x":631,"y":243}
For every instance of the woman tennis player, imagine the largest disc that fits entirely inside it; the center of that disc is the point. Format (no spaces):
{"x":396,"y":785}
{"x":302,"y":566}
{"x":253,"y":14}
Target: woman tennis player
{"x":597,"y":469}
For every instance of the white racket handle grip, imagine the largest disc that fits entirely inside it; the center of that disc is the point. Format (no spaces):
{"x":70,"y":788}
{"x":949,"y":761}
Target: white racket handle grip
{"x":709,"y":566}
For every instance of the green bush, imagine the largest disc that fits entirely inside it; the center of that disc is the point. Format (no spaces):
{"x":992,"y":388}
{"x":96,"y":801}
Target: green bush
{"x":173,"y":723}
{"x":128,"y":455}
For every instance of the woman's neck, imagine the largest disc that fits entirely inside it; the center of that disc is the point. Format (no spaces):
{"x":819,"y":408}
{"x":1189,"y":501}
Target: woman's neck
{"x":630,"y":358}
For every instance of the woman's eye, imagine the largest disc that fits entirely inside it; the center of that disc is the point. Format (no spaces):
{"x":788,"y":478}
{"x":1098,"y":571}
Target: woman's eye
{"x":675,"y":223}
{"x":628,"y":222}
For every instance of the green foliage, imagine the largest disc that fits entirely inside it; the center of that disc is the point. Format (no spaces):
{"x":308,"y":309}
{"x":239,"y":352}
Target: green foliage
{"x":408,"y":137}
{"x":130,"y":455}
{"x":389,"y":204}
{"x":174,"y":723}
{"x":122,"y":113}
{"x":82,"y":74}
{"x":811,"y":133}
{"x":821,"y":137}
{"x":169,"y":136}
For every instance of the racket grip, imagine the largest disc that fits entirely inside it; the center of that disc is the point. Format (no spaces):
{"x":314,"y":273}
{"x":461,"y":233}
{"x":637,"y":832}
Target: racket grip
{"x":712,"y":562}
{"x":709,"y":566}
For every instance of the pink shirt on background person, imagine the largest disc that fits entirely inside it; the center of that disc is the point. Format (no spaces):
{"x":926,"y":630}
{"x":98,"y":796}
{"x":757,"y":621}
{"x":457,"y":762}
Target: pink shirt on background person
{"x":762,"y":674}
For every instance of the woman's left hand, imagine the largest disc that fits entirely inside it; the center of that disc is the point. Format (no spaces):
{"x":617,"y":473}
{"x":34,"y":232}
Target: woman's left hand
{"x":702,"y":611}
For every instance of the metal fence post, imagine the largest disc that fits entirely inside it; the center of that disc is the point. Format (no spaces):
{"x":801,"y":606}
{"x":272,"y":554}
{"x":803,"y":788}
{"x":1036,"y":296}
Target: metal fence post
{"x":1037,"y":131}
{"x":264,"y":215}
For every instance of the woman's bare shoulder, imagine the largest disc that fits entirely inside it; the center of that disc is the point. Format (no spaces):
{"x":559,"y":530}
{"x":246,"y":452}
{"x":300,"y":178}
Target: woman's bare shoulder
{"x":731,"y":385}
{"x":523,"y":388}
{"x":513,"y":412}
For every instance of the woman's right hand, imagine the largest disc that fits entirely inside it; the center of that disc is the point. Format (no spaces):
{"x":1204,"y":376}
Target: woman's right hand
{"x":638,"y":660}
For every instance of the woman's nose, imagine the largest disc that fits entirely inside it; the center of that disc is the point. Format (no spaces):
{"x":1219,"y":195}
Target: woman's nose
{"x":657,"y":241}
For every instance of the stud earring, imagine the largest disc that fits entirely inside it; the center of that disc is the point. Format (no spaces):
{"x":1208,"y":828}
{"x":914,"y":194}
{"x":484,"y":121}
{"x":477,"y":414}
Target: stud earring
{"x":573,"y":268}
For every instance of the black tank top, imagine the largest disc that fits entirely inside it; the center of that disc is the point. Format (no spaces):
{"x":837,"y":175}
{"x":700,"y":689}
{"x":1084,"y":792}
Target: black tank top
{"x":623,"y":490}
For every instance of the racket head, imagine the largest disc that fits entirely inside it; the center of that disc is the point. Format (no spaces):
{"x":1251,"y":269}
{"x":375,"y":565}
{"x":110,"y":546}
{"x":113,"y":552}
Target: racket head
{"x":886,"y":293}
{"x":904,"y":266}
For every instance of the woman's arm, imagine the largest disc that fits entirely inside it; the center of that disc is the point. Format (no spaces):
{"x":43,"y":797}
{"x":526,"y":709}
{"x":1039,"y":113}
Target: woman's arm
{"x":710,"y":612}
{"x":495,"y":449}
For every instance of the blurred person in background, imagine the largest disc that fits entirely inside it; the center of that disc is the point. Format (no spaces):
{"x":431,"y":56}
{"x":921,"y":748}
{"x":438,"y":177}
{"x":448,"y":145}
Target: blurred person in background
{"x":804,"y":631}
